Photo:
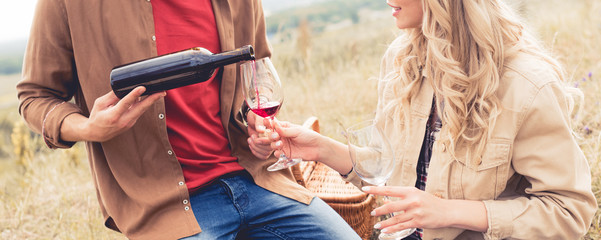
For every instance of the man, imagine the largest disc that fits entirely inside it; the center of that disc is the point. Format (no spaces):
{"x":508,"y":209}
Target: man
{"x":170,"y":165}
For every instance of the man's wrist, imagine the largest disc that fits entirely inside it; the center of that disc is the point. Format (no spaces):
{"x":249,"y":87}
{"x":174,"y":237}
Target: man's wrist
{"x":73,"y":129}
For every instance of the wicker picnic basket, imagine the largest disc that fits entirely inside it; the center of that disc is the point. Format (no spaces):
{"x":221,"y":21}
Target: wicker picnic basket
{"x":351,"y":203}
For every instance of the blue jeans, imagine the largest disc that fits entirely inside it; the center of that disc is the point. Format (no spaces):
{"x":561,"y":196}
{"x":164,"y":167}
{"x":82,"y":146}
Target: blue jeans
{"x":234,"y":207}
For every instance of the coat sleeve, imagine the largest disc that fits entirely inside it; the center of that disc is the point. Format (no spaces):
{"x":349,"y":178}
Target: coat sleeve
{"x":48,"y":77}
{"x":558,"y":201}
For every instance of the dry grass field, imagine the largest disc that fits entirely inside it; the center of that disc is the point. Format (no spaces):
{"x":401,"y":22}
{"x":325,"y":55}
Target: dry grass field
{"x":46,"y":194}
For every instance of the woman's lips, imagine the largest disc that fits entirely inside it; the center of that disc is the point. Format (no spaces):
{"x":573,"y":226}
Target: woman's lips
{"x":395,"y":10}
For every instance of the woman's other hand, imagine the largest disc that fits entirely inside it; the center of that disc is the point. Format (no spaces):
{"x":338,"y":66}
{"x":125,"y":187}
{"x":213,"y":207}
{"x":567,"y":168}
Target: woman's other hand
{"x":415,"y":208}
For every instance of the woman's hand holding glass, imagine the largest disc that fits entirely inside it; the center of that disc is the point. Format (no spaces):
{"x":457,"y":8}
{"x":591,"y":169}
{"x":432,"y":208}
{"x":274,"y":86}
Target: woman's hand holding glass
{"x":302,"y":142}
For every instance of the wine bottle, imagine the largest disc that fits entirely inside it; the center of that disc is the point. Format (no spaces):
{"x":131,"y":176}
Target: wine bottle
{"x":174,"y":70}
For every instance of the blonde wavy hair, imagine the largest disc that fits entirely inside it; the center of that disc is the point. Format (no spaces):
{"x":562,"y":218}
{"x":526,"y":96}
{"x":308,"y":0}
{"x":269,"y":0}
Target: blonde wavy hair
{"x":463,"y":46}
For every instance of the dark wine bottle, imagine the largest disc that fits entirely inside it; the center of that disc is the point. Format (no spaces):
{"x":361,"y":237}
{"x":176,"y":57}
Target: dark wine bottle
{"x":174,"y":70}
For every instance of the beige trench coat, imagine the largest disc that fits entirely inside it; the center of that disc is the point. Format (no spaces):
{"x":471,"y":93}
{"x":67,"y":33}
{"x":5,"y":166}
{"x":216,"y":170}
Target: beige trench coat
{"x":534,"y":179}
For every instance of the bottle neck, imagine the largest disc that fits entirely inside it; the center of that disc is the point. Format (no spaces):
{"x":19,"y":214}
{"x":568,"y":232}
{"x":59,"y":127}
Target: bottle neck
{"x":237,"y":55}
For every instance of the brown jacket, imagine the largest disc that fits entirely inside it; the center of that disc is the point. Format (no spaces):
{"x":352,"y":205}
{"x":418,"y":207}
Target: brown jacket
{"x":533,"y":179}
{"x":72,"y":48}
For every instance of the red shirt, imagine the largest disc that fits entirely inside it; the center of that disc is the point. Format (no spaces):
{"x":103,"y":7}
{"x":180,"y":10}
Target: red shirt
{"x":193,"y":112}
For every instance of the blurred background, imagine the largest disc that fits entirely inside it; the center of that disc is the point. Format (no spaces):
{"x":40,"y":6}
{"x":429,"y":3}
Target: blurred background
{"x":327,"y":53}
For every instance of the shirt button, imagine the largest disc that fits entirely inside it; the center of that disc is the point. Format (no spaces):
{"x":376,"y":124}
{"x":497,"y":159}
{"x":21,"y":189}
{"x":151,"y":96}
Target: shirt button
{"x":161,"y":116}
{"x":181,"y":183}
{"x":185,"y":201}
{"x":154,"y":38}
{"x":187,"y":208}
{"x":170,"y":152}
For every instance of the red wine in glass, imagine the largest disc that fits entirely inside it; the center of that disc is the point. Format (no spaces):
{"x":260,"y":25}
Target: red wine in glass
{"x":268,"y":109}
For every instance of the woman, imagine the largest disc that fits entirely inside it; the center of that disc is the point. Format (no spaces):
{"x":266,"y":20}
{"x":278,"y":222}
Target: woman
{"x":504,"y":163}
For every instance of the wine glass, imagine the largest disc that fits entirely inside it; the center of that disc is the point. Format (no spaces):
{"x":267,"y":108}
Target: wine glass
{"x":373,"y":161}
{"x":264,"y":96}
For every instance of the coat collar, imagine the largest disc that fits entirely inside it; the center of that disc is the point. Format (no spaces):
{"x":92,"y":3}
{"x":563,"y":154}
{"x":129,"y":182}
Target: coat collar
{"x":225,"y":27}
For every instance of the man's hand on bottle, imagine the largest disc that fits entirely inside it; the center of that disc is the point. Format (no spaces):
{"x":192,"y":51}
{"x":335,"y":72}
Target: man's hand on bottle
{"x":109,"y":117}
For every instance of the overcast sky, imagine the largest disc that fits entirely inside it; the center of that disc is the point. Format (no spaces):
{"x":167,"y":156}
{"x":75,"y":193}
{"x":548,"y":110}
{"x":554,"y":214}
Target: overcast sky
{"x":15,"y":19}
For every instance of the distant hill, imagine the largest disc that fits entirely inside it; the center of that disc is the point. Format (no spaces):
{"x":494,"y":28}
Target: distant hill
{"x":319,"y":13}
{"x":272,"y":6}
{"x":281,"y":16}
{"x":11,"y":56}
{"x":13,"y":47}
